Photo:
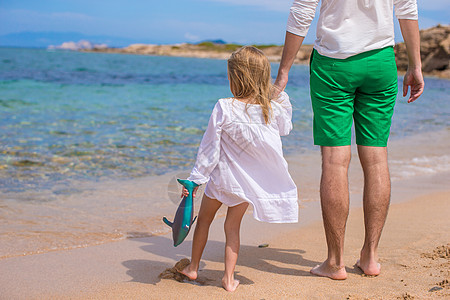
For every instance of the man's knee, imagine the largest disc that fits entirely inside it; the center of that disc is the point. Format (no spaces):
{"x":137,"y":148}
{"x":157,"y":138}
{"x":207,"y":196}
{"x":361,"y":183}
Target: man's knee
{"x":372,"y":156}
{"x":336,"y":156}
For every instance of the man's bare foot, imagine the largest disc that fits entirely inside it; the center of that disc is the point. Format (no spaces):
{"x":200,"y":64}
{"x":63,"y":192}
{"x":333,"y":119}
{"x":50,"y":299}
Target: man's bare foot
{"x":189,"y":272}
{"x":230,"y":285}
{"x":371,"y":268}
{"x":325,"y":270}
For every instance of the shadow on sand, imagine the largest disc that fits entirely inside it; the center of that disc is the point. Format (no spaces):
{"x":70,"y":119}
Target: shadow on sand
{"x":263,"y":259}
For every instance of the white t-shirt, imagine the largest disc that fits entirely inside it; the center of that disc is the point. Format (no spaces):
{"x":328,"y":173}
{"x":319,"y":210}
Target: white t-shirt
{"x":350,"y":27}
{"x":241,"y":158}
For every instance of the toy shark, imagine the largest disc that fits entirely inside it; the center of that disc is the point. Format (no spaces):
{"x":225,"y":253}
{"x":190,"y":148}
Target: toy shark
{"x":183,"y":217}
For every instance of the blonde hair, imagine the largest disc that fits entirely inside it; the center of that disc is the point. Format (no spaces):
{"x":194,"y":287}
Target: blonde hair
{"x":249,"y":74}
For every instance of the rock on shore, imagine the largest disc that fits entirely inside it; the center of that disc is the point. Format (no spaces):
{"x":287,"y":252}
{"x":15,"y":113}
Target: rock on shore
{"x":77,"y":46}
{"x":206,"y":50}
{"x":435,"y":51}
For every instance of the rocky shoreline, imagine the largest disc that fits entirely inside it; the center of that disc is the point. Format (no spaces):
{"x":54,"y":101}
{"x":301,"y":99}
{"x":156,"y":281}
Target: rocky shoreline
{"x":435,"y":51}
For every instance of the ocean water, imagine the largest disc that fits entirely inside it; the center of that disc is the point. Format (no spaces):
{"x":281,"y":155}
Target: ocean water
{"x":95,"y":135}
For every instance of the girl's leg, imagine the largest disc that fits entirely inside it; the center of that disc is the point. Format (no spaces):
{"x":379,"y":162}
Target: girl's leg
{"x":232,"y":228}
{"x":206,"y":215}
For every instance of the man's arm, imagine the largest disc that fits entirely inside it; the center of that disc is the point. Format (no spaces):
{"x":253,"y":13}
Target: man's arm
{"x":292,"y":44}
{"x":413,"y":77}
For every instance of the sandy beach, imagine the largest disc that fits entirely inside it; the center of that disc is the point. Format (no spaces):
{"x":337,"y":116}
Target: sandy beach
{"x":414,"y":252}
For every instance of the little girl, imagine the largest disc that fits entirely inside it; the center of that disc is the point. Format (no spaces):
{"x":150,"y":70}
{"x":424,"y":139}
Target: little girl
{"x":241,"y":159}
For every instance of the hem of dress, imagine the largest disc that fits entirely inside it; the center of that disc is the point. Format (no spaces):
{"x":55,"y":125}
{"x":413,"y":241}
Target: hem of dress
{"x":243,"y":200}
{"x":243,"y":197}
{"x":276,"y":221}
{"x":294,"y":220}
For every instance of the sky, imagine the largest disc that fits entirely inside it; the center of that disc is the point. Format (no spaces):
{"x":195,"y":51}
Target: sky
{"x":173,"y":21}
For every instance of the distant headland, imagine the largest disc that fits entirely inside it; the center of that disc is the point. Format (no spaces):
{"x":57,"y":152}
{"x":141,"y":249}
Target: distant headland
{"x":435,"y":51}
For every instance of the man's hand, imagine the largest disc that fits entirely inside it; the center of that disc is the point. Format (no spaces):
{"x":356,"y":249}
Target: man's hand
{"x":414,"y":79}
{"x":279,"y":85}
{"x":291,"y":46}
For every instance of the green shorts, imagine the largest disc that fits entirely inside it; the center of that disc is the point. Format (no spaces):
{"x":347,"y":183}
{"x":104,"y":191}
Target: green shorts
{"x":363,"y":88}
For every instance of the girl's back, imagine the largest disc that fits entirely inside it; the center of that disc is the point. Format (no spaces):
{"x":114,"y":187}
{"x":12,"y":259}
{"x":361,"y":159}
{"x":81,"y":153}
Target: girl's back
{"x":245,"y":159}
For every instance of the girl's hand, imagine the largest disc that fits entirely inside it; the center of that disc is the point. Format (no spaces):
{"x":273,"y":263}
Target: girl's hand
{"x":185,"y":192}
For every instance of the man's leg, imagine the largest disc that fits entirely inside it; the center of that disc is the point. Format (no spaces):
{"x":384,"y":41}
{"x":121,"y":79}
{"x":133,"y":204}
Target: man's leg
{"x":334,"y":199}
{"x":377,"y":190}
{"x":374,"y":107}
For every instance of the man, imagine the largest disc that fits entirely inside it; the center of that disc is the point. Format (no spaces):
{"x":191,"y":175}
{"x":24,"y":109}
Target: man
{"x":353,"y":77}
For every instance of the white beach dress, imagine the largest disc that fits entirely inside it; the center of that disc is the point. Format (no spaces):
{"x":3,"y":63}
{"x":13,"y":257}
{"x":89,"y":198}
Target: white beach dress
{"x":241,"y":159}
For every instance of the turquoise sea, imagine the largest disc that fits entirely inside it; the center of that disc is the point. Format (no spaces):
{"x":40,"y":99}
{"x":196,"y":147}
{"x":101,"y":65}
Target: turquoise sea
{"x":71,"y":121}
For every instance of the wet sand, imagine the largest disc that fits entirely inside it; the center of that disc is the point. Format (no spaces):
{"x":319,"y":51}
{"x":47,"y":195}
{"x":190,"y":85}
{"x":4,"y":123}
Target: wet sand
{"x":414,"y":253}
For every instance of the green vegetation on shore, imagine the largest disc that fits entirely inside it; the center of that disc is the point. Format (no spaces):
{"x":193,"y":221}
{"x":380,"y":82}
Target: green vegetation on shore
{"x":210,"y":46}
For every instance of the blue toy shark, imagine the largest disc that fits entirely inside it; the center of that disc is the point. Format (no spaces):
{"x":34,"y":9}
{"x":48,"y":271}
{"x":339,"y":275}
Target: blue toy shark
{"x":183,"y":217}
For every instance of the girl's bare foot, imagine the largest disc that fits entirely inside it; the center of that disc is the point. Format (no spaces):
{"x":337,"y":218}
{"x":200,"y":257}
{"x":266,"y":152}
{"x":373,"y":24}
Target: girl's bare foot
{"x":326,"y":270}
{"x":371,"y":268}
{"x":190,"y":272}
{"x":230,"y":285}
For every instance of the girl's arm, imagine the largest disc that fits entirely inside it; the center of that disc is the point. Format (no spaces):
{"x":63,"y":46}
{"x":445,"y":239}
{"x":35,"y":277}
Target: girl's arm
{"x":209,"y":151}
{"x":284,"y":118}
